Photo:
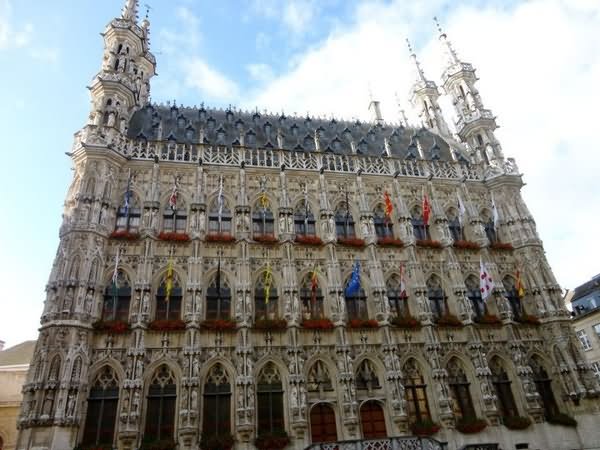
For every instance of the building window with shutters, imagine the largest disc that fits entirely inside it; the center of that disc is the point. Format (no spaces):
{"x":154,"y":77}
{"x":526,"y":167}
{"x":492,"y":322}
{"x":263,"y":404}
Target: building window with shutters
{"x":586,"y":344}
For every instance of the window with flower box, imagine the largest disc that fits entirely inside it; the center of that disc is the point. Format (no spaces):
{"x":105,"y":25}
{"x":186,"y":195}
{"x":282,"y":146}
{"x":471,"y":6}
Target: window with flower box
{"x":383,"y":224}
{"x":263,"y":220}
{"x":474,"y":296}
{"x":311,"y":298}
{"x":218,"y":299}
{"x":304,"y":220}
{"x":454,"y":225}
{"x":269,"y":398}
{"x":344,"y":222}
{"x":117,"y":297}
{"x":102,"y":409}
{"x":160,"y":407}
{"x":501,"y":382}
{"x":420,"y":230}
{"x":168,"y":304}
{"x":437,"y":298}
{"x":397,"y":298}
{"x":415,"y":391}
{"x":219,"y":223}
{"x":175,"y":219}
{"x":356,"y":305}
{"x":490,"y":230}
{"x":265,"y":300}
{"x":513,"y":297}
{"x":128,"y":216}
{"x":462,"y":403}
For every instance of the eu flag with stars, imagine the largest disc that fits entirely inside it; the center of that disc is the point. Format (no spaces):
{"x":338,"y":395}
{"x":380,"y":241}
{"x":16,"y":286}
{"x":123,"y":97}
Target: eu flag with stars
{"x":353,"y":286}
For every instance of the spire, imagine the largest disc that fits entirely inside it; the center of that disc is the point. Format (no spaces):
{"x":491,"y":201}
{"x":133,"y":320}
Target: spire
{"x":420,"y":74}
{"x":403,"y":118}
{"x":452,"y":56}
{"x":374,"y":107}
{"x":130,"y":10}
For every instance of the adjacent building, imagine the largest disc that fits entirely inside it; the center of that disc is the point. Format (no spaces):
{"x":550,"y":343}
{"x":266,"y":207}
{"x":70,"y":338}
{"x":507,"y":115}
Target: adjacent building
{"x":585,"y":304}
{"x":233,"y":279}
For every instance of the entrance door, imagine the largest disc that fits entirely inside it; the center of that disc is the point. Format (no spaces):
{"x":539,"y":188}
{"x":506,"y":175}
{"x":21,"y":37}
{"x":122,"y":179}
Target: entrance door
{"x":322,"y":423}
{"x":372,"y":420}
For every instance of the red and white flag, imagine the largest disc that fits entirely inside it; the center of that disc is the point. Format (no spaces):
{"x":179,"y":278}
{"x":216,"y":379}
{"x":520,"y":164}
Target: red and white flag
{"x":486,"y":284}
{"x":426,"y":210}
{"x":173,"y":198}
{"x":402,"y":282}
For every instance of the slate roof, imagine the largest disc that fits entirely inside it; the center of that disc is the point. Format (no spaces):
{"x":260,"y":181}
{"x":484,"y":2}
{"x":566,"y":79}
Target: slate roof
{"x":224,"y":127}
{"x":17,"y":354}
{"x":586,"y":288}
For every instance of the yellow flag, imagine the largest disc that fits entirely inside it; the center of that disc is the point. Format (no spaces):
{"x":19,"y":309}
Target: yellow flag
{"x":169,"y":281}
{"x":268,"y":281}
{"x":264,"y":201}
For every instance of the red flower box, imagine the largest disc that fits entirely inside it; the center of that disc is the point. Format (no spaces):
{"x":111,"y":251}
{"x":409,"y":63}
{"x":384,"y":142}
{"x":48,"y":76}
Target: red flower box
{"x":466,"y":245}
{"x":424,"y":428}
{"x":428,"y":243}
{"x":501,"y":246}
{"x":308,"y":240}
{"x":167,"y":325}
{"x":318,"y":324}
{"x":470,"y":425}
{"x":351,"y":242}
{"x":219,"y":324}
{"x":111,"y":326}
{"x":125,"y":235}
{"x":219,"y":237}
{"x":265,"y":238}
{"x":405,"y":322}
{"x":271,"y":324}
{"x":529,"y":319}
{"x":360,"y":323}
{"x":163,"y":444}
{"x":173,"y":236}
{"x":224,"y":442}
{"x":449,"y":320}
{"x":489,"y":319}
{"x":390,"y":242}
{"x":272,"y":441}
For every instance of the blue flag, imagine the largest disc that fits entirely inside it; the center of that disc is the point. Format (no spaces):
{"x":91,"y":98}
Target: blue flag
{"x":353,"y":286}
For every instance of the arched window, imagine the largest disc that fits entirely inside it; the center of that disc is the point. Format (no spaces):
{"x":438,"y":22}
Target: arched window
{"x":356,"y":304}
{"x":218,"y":298}
{"x":318,"y":378}
{"x":322,"y":423}
{"x":366,"y":377}
{"x":102,"y":409}
{"x":168,"y":307}
{"x":512,"y":296}
{"x":262,"y":219}
{"x":265,"y":297}
{"x":269,"y":393}
{"x":175,"y":218}
{"x":454,"y":225}
{"x":474,"y":296}
{"x":372,"y":420}
{"x":506,"y":400}
{"x":462,"y":403}
{"x":397,"y":297}
{"x":216,"y":417}
{"x":160,"y":409}
{"x":383,"y":225}
{"x":219,"y":222}
{"x":311,"y":297}
{"x":304,"y":220}
{"x":344,"y":223}
{"x":437,"y":297}
{"x":416,"y":395}
{"x":128,"y":214}
{"x":543,"y":383}
{"x":420,"y":230}
{"x":489,"y":226}
{"x":117,"y":297}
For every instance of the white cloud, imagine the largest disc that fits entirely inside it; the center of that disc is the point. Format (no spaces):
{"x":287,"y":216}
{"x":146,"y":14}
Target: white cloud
{"x":298,"y":14}
{"x":211,"y":84}
{"x":10,"y":35}
{"x":538,"y":76}
{"x":260,"y":72}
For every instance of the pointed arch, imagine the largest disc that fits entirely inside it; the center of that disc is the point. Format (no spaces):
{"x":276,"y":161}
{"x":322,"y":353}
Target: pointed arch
{"x":502,"y":386}
{"x":94,"y":271}
{"x":216,"y":417}
{"x":438,"y":302}
{"x":169,"y":295}
{"x":474,"y":295}
{"x":319,"y":378}
{"x":311,"y":297}
{"x":219,"y":215}
{"x":366,"y":376}
{"x":102,"y":408}
{"x":454,"y":224}
{"x":356,"y":301}
{"x":90,"y":187}
{"x":265,"y":296}
{"x":160,"y":405}
{"x":129,"y":213}
{"x":117,"y":298}
{"x":344,"y":221}
{"x":323,"y":423}
{"x":462,"y":402}
{"x":512,"y":296}
{"x":76,"y":370}
{"x":269,"y":399}
{"x":420,"y":229}
{"x":397,"y":297}
{"x":415,"y":390}
{"x":384,"y":227}
{"x":175,"y":216}
{"x":75,"y":267}
{"x":543,"y":384}
{"x":263,"y":221}
{"x":54,"y":371}
{"x":489,"y":225}
{"x":304,"y":219}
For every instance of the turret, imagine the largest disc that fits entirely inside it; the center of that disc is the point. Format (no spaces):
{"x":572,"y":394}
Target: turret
{"x":424,"y":98}
{"x":475,"y":125}
{"x":123,"y":83}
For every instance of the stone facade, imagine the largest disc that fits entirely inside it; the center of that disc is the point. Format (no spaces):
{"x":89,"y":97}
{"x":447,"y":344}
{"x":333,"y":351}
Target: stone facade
{"x":199,"y":291}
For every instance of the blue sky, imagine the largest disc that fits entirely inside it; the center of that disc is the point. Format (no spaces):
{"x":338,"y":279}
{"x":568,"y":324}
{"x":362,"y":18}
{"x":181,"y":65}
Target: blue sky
{"x":539,"y":64}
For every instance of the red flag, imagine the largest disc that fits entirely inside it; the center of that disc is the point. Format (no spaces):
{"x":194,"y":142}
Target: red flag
{"x":388,"y":205}
{"x":426,"y":210}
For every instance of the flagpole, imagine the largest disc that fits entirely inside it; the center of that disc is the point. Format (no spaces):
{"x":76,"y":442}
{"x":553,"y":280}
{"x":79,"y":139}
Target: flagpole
{"x":347,"y":214}
{"x":115,"y":279}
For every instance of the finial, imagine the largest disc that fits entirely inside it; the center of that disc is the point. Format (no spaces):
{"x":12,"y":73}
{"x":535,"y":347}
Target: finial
{"x":420,"y":74}
{"x":130,"y":10}
{"x":410,"y":49}
{"x":452,"y":56}
{"x":370,"y":91}
{"x":403,"y":119}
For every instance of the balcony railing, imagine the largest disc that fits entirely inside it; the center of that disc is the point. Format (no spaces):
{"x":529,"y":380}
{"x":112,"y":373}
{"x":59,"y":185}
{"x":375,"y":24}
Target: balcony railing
{"x":393,"y":443}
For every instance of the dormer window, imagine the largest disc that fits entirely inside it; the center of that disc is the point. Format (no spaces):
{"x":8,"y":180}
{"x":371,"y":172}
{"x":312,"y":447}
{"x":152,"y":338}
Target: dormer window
{"x":239,"y":125}
{"x":250,"y":138}
{"x":180,"y":122}
{"x":267,"y":128}
{"x":256,"y":118}
{"x":211,"y":123}
{"x":229,"y":116}
{"x":294,"y":130}
{"x":220,"y":136}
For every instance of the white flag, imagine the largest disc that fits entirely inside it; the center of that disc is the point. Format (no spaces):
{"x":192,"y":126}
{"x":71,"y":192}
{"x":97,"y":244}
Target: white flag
{"x":220,"y":200}
{"x":461,"y":210}
{"x":486,"y":284}
{"x":495,"y":215}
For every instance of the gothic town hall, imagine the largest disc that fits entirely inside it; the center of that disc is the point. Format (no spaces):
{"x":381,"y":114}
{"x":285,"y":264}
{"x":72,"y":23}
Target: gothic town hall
{"x":235,"y":280}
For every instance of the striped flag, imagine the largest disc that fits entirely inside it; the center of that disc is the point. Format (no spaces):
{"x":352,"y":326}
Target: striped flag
{"x":495,"y":214}
{"x":486,"y":284}
{"x":173,"y":198}
{"x":220,"y":200}
{"x":314,"y":285}
{"x":462,"y":211}
{"x":115,"y":275}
